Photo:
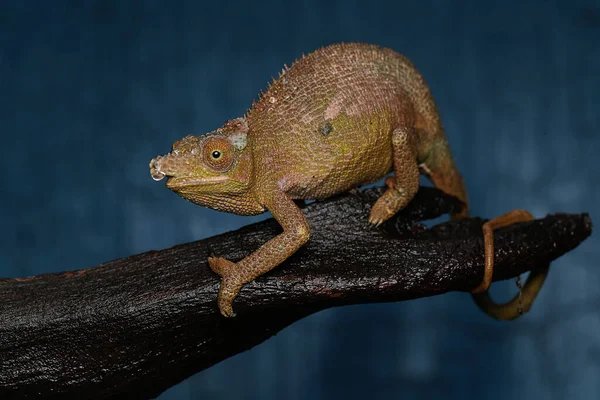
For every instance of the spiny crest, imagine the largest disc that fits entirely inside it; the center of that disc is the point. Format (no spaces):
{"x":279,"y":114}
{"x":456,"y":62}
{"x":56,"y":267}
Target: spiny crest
{"x":257,"y":102}
{"x":269,"y":84}
{"x":284,"y":70}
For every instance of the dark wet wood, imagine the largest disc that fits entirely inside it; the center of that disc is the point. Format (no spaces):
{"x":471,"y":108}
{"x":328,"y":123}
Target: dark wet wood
{"x":136,"y":326}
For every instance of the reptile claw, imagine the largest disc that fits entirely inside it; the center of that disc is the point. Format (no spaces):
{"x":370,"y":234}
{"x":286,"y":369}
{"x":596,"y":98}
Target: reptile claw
{"x":227,"y":311}
{"x":375,"y":222}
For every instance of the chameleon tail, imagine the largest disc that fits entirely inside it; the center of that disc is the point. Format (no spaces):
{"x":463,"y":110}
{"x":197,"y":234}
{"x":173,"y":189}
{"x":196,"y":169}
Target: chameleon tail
{"x":441,"y":169}
{"x":519,"y":304}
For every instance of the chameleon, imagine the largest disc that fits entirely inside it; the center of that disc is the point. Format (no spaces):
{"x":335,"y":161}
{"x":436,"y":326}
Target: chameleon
{"x":340,"y":117}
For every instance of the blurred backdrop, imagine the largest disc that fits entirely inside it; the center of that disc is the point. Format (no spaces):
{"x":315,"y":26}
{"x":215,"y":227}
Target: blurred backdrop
{"x":90,"y":91}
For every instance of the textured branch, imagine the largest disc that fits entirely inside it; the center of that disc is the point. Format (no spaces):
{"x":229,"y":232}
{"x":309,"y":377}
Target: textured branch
{"x":141,"y":324}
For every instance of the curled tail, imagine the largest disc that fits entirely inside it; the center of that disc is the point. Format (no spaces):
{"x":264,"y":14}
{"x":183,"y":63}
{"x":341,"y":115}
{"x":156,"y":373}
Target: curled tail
{"x":439,"y":166}
{"x":519,"y":304}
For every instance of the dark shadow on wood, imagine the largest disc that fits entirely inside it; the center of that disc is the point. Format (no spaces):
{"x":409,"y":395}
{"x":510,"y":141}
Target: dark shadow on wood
{"x":136,"y":326}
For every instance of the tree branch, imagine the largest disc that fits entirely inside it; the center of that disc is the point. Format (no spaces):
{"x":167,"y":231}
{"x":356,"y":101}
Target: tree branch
{"x":141,"y":324}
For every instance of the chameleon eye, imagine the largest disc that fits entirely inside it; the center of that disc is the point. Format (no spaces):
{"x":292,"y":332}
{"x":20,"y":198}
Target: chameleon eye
{"x":218,"y":154}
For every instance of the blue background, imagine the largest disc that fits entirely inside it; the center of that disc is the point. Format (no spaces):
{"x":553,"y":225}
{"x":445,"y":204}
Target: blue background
{"x":91,"y":91}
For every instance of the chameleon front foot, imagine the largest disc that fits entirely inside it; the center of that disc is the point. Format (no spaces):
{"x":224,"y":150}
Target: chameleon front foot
{"x":230,"y":284}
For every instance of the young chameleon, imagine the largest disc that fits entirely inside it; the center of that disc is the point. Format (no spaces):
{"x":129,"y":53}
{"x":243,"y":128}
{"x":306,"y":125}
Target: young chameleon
{"x":338,"y":118}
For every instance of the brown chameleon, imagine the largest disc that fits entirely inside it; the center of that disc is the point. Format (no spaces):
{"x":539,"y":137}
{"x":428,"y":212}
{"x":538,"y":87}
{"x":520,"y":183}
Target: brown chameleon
{"x":338,"y":118}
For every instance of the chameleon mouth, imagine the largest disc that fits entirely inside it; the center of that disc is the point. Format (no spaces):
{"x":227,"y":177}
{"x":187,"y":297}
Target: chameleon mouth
{"x":175,"y":182}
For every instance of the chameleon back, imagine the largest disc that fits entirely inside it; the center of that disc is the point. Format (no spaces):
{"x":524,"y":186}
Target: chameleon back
{"x":324,"y":126}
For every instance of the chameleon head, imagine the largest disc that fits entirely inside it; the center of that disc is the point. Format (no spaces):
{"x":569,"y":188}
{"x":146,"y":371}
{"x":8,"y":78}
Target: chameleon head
{"x":200,"y":167}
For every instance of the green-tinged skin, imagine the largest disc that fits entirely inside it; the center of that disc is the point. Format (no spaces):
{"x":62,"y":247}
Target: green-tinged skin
{"x":341,"y":117}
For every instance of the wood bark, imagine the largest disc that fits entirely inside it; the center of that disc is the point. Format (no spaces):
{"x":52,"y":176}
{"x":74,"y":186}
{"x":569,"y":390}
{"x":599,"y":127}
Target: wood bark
{"x":136,"y":326}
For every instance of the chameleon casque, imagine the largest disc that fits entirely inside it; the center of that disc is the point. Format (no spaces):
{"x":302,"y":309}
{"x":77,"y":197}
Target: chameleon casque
{"x":340,"y":117}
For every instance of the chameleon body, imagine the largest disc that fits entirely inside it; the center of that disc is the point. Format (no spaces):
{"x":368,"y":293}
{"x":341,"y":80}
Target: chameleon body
{"x":338,"y":118}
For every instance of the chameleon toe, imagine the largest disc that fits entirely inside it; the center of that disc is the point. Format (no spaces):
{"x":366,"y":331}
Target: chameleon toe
{"x":227,"y":293}
{"x":221,"y":266}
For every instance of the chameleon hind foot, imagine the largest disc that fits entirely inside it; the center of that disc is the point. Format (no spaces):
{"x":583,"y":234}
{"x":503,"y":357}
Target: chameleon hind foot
{"x":510,"y":218}
{"x":230,"y":284}
{"x":404,"y":184}
{"x":390,"y":202}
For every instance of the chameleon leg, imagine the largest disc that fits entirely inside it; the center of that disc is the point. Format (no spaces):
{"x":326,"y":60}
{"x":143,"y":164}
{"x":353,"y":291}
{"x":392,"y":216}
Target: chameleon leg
{"x":521,"y":303}
{"x":403,"y":186}
{"x":296,"y":232}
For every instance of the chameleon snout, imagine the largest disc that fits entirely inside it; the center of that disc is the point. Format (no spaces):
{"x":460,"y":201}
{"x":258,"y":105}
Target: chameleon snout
{"x":172,"y":165}
{"x":155,"y":169}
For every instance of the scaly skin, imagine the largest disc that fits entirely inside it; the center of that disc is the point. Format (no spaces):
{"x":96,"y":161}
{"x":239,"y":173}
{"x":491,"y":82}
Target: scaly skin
{"x":341,"y":117}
